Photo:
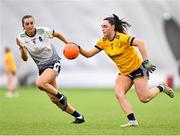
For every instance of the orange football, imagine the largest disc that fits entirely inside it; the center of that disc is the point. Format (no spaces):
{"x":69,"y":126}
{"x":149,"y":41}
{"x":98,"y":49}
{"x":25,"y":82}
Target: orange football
{"x":71,"y":51}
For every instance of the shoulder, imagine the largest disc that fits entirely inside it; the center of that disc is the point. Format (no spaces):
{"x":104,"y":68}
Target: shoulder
{"x":22,"y":35}
{"x":121,"y":35}
{"x":9,"y":54}
{"x":102,"y":40}
{"x":118,"y":34}
{"x":100,"y":44}
{"x":126,"y":38}
{"x":41,"y":29}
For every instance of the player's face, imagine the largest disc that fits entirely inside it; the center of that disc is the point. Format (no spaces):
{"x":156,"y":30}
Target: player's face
{"x":29,"y":25}
{"x":107,"y":28}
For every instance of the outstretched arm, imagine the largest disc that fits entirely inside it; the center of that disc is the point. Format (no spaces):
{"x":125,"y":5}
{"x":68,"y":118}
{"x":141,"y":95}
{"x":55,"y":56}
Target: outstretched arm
{"x":85,"y":53}
{"x":23,"y":50}
{"x":60,"y":37}
{"x":89,"y":53}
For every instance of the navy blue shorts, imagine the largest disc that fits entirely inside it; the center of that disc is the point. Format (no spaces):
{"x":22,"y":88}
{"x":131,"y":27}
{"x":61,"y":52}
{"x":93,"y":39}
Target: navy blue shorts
{"x":140,"y":72}
{"x":56,"y":66}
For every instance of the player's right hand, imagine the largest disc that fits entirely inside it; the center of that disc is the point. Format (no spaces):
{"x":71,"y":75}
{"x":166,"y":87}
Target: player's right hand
{"x":19,"y":43}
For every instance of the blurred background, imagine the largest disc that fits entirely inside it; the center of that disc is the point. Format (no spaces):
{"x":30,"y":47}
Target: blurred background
{"x":156,"y":22}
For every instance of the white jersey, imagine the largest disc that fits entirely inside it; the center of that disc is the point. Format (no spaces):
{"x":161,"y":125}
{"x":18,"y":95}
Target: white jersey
{"x":39,"y":46}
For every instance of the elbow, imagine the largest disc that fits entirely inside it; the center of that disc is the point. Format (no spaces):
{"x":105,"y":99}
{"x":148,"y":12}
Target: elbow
{"x":24,"y":58}
{"x":89,"y":55}
{"x":86,"y":56}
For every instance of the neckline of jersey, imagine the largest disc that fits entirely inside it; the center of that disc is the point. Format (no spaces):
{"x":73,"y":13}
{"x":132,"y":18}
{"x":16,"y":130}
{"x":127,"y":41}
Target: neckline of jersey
{"x":32,"y":35}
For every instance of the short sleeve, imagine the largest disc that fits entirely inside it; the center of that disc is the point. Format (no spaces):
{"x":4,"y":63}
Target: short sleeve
{"x":20,"y":37}
{"x":126,"y":39}
{"x":100,"y":45}
{"x":49,"y":32}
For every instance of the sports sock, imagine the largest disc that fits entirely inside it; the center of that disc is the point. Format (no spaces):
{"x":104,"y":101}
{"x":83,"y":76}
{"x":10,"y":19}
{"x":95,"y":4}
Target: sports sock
{"x":76,"y":114}
{"x":160,"y":88}
{"x":131,"y":116}
{"x":58,"y":95}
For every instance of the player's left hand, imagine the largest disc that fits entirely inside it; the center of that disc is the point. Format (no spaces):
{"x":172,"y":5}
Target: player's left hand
{"x":148,"y":66}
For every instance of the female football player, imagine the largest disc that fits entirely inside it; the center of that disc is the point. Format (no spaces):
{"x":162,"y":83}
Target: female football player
{"x":119,"y":46}
{"x":10,"y":67}
{"x":36,"y":41}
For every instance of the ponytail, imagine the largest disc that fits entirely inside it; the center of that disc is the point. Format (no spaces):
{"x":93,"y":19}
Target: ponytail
{"x":120,"y":25}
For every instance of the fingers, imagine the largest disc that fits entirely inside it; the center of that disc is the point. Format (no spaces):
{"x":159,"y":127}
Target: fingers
{"x":19,"y":43}
{"x":152,"y":68}
{"x":148,"y":66}
{"x":71,"y":43}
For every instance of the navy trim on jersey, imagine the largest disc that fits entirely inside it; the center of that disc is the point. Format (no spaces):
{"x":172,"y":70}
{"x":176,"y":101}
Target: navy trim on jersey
{"x":32,"y":35}
{"x":132,"y":41}
{"x":98,"y":47}
{"x":53,"y":32}
{"x":113,"y":37}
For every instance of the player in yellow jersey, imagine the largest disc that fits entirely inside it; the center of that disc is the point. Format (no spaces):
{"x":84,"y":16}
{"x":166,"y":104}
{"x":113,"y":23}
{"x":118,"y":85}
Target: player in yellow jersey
{"x":10,"y":67}
{"x":119,"y":46}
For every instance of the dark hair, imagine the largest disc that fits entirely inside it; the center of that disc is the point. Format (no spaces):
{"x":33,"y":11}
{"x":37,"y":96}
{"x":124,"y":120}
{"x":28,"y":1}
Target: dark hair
{"x":24,"y":17}
{"x":7,"y":49}
{"x":120,"y":25}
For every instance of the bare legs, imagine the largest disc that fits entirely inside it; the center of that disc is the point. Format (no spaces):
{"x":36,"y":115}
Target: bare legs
{"x":122,"y":85}
{"x":47,"y":82}
{"x":11,"y":85}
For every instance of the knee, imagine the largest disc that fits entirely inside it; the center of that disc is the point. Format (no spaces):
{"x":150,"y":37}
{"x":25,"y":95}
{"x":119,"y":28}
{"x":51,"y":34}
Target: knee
{"x":144,"y":99}
{"x":119,"y":95}
{"x":40,"y":84}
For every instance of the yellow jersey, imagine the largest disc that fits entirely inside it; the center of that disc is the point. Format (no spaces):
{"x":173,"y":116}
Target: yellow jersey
{"x":121,"y":51}
{"x":9,"y":62}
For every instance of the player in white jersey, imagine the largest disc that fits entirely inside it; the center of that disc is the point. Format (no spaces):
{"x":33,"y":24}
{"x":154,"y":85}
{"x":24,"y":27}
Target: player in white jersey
{"x":36,"y":42}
